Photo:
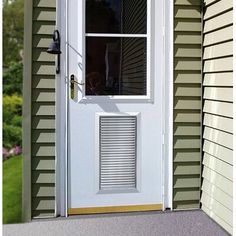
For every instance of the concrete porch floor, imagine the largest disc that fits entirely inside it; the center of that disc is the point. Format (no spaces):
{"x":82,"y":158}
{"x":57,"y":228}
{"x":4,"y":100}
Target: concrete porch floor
{"x":182,"y":223}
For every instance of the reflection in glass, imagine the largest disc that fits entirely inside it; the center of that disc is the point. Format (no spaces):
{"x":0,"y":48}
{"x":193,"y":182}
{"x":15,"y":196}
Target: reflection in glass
{"x":115,"y":66}
{"x":116,"y":16}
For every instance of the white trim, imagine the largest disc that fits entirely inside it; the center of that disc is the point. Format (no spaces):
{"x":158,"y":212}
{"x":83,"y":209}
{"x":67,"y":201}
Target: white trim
{"x":169,"y":72}
{"x":117,"y":35}
{"x":61,"y":120}
{"x":57,"y":124}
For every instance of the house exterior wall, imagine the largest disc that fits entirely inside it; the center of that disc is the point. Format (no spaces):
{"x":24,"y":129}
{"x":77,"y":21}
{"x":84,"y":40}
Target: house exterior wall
{"x":217,"y":186}
{"x":39,"y":110}
{"x":187,"y":104}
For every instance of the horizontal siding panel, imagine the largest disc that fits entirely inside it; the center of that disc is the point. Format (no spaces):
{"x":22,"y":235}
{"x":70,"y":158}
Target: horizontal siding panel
{"x":44,"y":3}
{"x":218,"y":65}
{"x":217,"y":194}
{"x":216,"y":218}
{"x":187,"y":78}
{"x":43,"y":109}
{"x":186,"y":156}
{"x":187,"y":117}
{"x":40,"y":95}
{"x":186,"y":205}
{"x":219,"y":137}
{"x":186,"y":195}
{"x":40,"y":41}
{"x":187,"y":2}
{"x":218,"y":151}
{"x":218,"y":8}
{"x":218,"y":180}
{"x":191,"y":52}
{"x":43,"y":214}
{"x":43,"y":123}
{"x":186,"y":182}
{"x":218,"y":166}
{"x":218,"y":122}
{"x":39,"y":190}
{"x":185,"y":38}
{"x":219,"y":50}
{"x":43,"y":150}
{"x":218,"y":108}
{"x":43,"y":204}
{"x":44,"y":14}
{"x":43,"y":164}
{"x":218,"y":79}
{"x":218,"y":36}
{"x":220,"y":94}
{"x":187,"y":130}
{"x":43,"y":95}
{"x":41,"y":82}
{"x":43,"y":136}
{"x":218,"y":22}
{"x":43,"y":27}
{"x":218,"y":208}
{"x":187,"y":12}
{"x":187,"y":104}
{"x":40,"y":55}
{"x":187,"y":143}
{"x":187,"y":25}
{"x":187,"y":91}
{"x":187,"y":65}
{"x":41,"y":68}
{"x":188,"y":169}
{"x":39,"y":177}
{"x":209,"y":2}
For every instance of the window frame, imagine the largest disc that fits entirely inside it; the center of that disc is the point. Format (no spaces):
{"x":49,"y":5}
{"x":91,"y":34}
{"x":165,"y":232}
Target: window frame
{"x":149,"y":78}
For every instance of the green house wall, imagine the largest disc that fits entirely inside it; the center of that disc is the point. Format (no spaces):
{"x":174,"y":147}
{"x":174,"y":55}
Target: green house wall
{"x":39,"y":113}
{"x":217,"y":186}
{"x":187,"y":104}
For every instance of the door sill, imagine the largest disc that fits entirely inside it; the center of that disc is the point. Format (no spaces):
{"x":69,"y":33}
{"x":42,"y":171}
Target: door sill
{"x":114,"y":209}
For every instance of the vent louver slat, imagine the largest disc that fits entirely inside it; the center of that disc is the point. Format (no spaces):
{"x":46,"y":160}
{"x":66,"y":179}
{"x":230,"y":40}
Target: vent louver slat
{"x":118,"y":152}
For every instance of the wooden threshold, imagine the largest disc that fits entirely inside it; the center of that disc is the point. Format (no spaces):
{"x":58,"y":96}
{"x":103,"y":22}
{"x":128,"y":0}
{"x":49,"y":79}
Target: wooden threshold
{"x":114,"y":209}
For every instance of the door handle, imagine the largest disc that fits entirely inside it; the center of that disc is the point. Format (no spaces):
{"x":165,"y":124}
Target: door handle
{"x":72,"y":86}
{"x":72,"y":81}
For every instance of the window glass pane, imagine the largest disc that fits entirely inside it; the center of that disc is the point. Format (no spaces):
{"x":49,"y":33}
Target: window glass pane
{"x":115,"y":66}
{"x":116,"y":16}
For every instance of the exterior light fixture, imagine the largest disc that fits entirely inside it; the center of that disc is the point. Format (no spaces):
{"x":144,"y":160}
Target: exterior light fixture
{"x":54,"y":48}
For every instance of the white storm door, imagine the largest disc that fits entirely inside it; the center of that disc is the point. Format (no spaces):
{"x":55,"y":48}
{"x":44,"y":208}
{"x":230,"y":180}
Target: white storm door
{"x":115,"y":54}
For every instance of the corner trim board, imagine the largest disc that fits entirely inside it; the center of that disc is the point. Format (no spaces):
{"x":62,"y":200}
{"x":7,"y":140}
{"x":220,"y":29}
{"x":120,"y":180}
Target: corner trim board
{"x":27,"y":78}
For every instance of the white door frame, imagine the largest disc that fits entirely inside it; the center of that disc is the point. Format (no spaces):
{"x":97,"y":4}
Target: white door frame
{"x":62,"y":104}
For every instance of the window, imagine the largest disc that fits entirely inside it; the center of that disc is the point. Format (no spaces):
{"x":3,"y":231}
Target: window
{"x":116,"y":47}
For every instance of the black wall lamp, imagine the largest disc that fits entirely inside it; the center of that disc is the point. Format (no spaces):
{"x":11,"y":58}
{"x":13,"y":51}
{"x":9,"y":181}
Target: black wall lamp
{"x":55,"y":48}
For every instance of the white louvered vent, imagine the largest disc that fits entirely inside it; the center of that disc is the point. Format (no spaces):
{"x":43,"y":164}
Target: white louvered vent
{"x":118,"y":135}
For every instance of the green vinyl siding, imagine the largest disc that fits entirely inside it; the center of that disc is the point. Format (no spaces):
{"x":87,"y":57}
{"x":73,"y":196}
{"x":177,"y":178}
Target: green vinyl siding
{"x":217,"y":185}
{"x":42,"y":145}
{"x":187,"y":104}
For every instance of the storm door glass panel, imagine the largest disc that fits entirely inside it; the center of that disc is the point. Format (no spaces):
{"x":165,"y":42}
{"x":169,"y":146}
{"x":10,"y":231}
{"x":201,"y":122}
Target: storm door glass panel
{"x":116,"y":47}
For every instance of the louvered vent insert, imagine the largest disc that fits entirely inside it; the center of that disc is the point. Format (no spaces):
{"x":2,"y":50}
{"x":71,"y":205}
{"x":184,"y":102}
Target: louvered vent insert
{"x":118,"y":144}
